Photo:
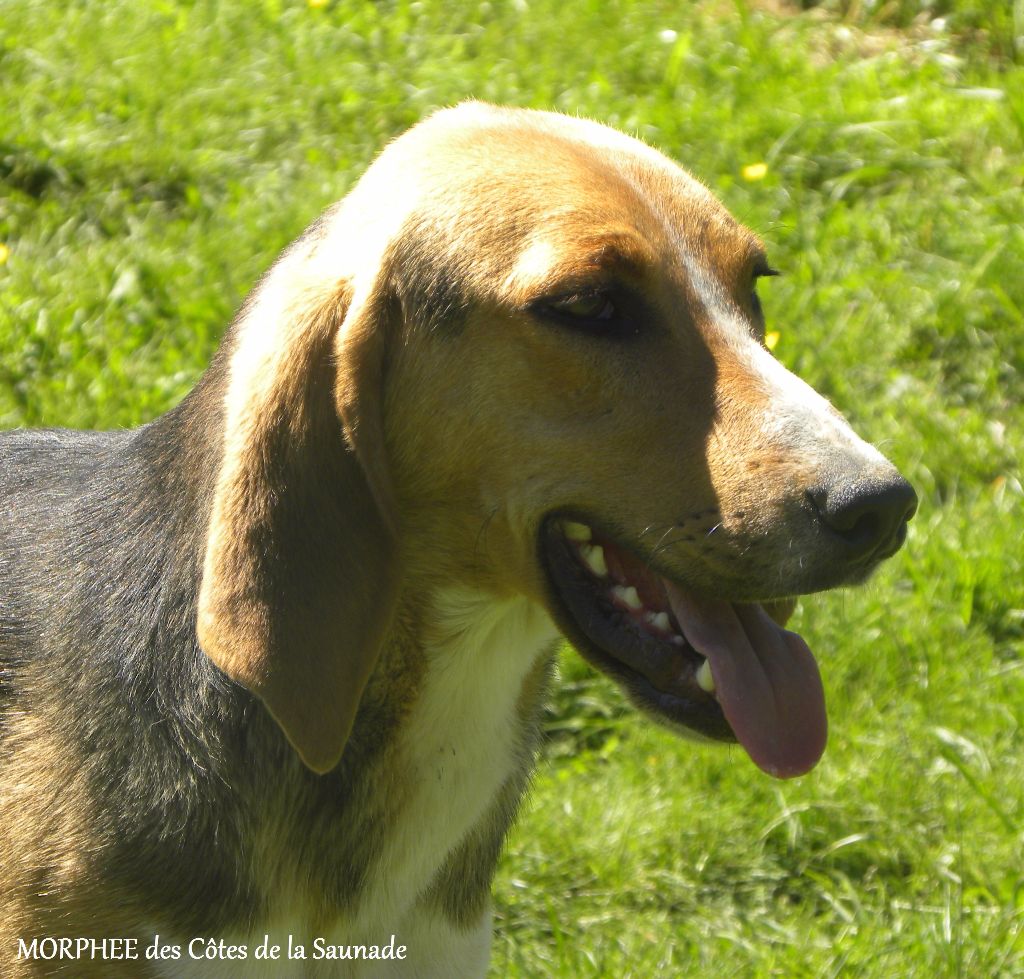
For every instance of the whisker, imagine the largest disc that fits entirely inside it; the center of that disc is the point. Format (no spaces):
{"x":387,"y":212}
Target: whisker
{"x":664,"y":544}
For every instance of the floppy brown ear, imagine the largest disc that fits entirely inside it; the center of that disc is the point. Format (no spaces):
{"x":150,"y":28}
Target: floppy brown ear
{"x":300,"y":570}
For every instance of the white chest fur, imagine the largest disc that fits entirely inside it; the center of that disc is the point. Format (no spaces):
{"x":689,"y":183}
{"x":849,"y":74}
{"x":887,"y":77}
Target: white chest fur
{"x":462,"y":740}
{"x":460,"y":744}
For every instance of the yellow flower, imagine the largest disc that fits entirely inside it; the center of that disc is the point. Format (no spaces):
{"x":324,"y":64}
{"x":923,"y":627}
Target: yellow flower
{"x":754,"y":171}
{"x":771,"y":340}
{"x":317,"y":4}
{"x":5,"y":253}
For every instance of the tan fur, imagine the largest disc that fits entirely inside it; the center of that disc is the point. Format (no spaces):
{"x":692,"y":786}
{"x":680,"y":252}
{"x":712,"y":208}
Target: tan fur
{"x":46,"y":824}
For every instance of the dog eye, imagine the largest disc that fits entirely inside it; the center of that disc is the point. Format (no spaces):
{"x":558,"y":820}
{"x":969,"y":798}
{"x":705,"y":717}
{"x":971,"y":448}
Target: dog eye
{"x":755,"y":302}
{"x":612,"y":312}
{"x":764,"y":270}
{"x":761,"y":272}
{"x":593,"y":307}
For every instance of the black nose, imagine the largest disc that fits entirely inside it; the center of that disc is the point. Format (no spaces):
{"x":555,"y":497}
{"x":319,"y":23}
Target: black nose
{"x":870,"y":517}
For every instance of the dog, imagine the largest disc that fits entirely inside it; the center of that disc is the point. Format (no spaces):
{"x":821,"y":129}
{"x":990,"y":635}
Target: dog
{"x":272,"y":664}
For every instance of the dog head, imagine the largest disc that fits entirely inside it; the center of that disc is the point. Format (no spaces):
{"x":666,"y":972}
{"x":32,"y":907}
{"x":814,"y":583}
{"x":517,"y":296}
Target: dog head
{"x":526,"y":354}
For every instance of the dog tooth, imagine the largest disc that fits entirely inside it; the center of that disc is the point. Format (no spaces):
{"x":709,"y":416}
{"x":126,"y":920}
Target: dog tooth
{"x":628,"y":596}
{"x":658,"y":620}
{"x":593,"y":558}
{"x":578,"y":532}
{"x":704,"y":678}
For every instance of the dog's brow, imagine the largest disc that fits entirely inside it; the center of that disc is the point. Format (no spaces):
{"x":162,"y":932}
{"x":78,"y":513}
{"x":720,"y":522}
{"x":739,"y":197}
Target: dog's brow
{"x":549,"y":263}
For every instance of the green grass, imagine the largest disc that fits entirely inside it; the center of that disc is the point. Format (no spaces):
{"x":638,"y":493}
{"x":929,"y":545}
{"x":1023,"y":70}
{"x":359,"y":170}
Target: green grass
{"x":154,"y":157}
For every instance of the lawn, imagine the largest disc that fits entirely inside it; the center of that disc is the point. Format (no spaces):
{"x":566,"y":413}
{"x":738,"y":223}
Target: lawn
{"x":154,"y":158}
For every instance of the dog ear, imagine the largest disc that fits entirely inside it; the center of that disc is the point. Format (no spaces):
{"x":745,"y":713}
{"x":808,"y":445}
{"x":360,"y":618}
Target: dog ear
{"x":299,"y":577}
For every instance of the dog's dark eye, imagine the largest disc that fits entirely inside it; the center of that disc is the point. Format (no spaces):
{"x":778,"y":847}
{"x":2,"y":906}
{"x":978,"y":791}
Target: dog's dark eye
{"x":764,"y":272}
{"x":613,"y":312}
{"x":755,"y":302}
{"x":593,"y":306}
{"x":761,"y":272}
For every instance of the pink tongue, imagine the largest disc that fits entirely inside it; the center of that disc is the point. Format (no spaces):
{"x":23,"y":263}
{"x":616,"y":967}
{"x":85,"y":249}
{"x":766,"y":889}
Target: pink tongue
{"x":766,"y":681}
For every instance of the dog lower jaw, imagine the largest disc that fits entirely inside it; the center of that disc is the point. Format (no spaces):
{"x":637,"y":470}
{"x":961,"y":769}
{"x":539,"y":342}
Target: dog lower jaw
{"x":620,"y":622}
{"x":671,"y":650}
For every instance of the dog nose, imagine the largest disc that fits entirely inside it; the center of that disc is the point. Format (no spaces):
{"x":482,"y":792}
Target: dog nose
{"x":870,"y":517}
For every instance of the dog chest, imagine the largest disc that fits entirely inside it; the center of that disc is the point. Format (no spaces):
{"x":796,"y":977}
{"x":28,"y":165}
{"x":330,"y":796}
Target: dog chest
{"x":466,"y":736}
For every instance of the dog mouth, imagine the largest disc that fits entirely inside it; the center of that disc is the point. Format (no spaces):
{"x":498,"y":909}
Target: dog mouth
{"x":724,"y":670}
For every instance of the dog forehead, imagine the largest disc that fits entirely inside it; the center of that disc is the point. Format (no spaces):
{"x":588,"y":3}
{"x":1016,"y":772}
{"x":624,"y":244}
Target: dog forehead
{"x":546,"y":192}
{"x":480,"y":203}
